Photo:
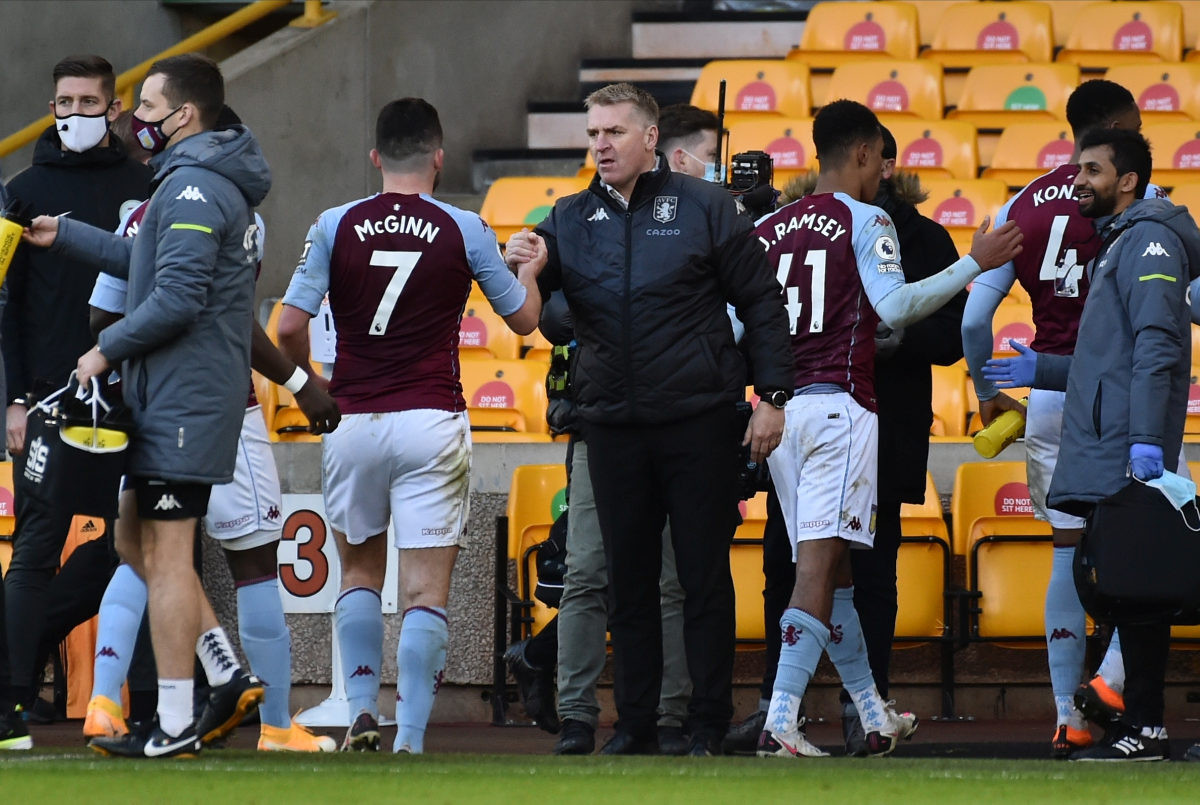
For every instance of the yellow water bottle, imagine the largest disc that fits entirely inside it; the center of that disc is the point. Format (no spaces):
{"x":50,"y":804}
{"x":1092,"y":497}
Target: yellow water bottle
{"x":1004,"y":430}
{"x":12,"y":223}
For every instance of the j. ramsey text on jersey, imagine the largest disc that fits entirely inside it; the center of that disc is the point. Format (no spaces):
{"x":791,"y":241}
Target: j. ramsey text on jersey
{"x":822,"y":224}
{"x":397,"y":225}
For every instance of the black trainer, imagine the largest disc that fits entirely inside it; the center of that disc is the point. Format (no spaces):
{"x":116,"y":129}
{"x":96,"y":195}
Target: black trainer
{"x":852,"y":732}
{"x":626,"y":743}
{"x":363,"y":735}
{"x":1128,"y":744}
{"x":672,"y":741}
{"x":14,"y":734}
{"x":535,"y":686}
{"x":577,"y":738}
{"x":227,"y":705}
{"x":742,"y":738}
{"x":1192,"y":753}
{"x":149,"y":740}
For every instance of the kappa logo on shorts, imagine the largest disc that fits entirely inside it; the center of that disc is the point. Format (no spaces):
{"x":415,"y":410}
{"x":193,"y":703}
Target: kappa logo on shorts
{"x":167,"y":503}
{"x":191,"y":193}
{"x":273,"y":513}
{"x":855,"y":524}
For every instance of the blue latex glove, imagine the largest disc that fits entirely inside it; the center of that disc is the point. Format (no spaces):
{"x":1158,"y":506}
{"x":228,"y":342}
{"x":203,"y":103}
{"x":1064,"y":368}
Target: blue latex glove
{"x":1012,"y":373}
{"x":1145,"y":461}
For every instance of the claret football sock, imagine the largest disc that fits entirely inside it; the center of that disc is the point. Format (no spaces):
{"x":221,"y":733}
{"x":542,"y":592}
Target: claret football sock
{"x":1065,"y":632}
{"x":121,"y":611}
{"x":358,"y":618}
{"x":420,"y":659}
{"x":268,"y":646}
{"x":847,"y":651}
{"x":804,"y":639}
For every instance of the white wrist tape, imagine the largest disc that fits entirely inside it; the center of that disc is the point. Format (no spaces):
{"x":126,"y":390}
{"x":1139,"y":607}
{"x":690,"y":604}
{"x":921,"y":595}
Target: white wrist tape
{"x":296,"y":381}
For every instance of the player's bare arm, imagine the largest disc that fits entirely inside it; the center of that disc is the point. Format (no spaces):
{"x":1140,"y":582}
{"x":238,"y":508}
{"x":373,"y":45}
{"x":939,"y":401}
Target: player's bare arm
{"x":995,"y":248}
{"x":990,"y":409}
{"x":533,"y":260}
{"x":293,"y":337}
{"x":313,"y":397}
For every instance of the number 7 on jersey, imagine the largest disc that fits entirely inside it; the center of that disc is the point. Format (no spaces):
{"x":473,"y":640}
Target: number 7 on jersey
{"x":403,"y":263}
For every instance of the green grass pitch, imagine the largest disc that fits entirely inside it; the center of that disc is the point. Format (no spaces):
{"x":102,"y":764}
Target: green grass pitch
{"x":248,"y":777}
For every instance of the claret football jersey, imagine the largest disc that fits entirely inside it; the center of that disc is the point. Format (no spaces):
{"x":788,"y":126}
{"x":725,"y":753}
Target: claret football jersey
{"x":834,"y":257}
{"x":1059,"y":243}
{"x":398,"y":270}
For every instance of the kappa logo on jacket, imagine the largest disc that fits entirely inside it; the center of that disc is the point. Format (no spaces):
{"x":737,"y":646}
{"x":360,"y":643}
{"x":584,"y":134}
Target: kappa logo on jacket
{"x":1155,"y":249}
{"x":191,"y":193}
{"x":599,"y":215}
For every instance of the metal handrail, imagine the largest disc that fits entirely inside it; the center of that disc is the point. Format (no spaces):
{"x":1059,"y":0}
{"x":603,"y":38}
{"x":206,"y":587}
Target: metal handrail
{"x":314,"y":15}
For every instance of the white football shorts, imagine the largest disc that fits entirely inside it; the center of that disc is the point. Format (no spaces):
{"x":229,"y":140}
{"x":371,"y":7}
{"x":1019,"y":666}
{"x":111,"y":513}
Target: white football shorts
{"x":1043,"y":437}
{"x":247,"y":512}
{"x":413,"y":467}
{"x":826,"y":468}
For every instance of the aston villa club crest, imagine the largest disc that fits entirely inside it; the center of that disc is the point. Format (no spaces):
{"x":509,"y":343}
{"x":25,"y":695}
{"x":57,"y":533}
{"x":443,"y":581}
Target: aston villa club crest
{"x":664,"y":208}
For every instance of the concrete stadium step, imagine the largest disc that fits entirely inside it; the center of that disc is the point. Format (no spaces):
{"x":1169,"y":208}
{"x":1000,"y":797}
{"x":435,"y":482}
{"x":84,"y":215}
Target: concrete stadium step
{"x":668,"y":80}
{"x":713,"y":34}
{"x":492,"y":164}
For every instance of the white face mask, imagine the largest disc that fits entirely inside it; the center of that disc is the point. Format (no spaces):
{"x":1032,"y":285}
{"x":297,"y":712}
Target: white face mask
{"x":81,"y":133}
{"x":1178,"y":490}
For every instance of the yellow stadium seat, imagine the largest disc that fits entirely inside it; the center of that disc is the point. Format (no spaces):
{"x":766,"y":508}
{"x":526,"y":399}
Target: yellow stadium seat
{"x":987,"y":489}
{"x":908,"y":89}
{"x":936,"y":148}
{"x":514,"y":202}
{"x":971,"y":34}
{"x":506,"y":396}
{"x":536,"y":498}
{"x":1163,"y":91}
{"x":755,"y":86}
{"x":1188,"y":195}
{"x":1176,"y":147}
{"x":949,"y":401}
{"x":6,"y":547}
{"x":537,"y":347}
{"x":1105,"y":34}
{"x":483,"y":333}
{"x":840,"y":32}
{"x":922,"y":578}
{"x":929,"y":14}
{"x":997,"y":95}
{"x":7,"y":505}
{"x":1008,"y":568}
{"x":787,"y":140}
{"x":960,"y":206}
{"x":745,"y":562}
{"x":1027,"y":150}
{"x":1064,"y":14}
{"x":1011,"y":322}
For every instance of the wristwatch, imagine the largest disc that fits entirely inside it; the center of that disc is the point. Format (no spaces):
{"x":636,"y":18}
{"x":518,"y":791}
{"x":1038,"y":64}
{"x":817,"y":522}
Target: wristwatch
{"x":777,"y":398}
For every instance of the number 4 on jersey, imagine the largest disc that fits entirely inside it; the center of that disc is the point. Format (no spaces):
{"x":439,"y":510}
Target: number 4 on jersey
{"x":816,"y":261}
{"x":1065,"y":276}
{"x":404,"y":263}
